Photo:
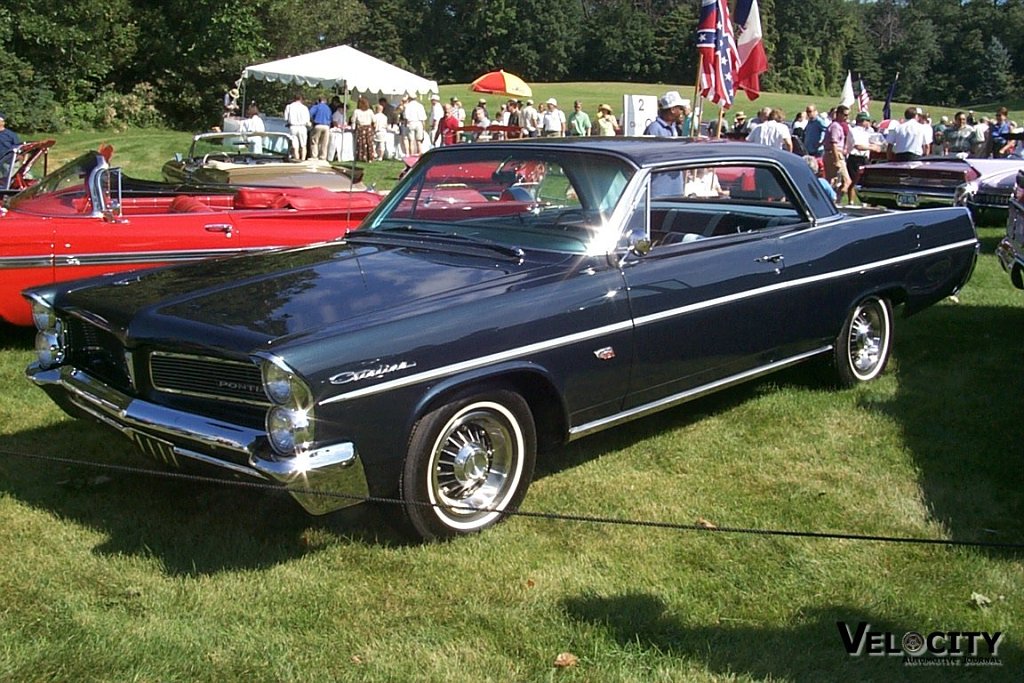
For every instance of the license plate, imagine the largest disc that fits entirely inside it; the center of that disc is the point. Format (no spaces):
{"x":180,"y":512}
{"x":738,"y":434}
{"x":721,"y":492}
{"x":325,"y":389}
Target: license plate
{"x":906,"y":199}
{"x":157,"y":449}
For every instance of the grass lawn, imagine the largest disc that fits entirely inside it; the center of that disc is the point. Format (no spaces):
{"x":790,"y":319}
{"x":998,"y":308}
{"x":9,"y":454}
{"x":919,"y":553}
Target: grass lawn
{"x":115,"y":576}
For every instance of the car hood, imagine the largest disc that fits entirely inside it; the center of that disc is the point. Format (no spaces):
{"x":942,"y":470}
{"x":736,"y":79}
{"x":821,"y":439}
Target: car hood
{"x":247,"y":302}
{"x":1004,"y":180}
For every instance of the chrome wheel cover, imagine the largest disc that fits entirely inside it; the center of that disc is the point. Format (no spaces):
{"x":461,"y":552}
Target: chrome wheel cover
{"x":475,"y":465}
{"x":868,"y":342}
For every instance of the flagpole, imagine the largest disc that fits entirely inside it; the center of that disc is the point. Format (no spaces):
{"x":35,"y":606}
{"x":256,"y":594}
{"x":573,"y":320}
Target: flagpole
{"x":698,"y":106}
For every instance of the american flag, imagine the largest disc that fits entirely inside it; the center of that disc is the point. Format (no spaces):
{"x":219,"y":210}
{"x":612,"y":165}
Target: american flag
{"x":863,"y":100}
{"x":717,"y":47}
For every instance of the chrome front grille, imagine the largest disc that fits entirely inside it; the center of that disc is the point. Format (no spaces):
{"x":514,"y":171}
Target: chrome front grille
{"x":207,"y":377}
{"x":991,"y":199}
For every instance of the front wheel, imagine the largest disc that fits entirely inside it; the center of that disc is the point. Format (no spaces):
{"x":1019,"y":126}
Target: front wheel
{"x":469,"y":463}
{"x":863,"y":346}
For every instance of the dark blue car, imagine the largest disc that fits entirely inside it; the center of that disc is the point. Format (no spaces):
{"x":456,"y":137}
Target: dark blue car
{"x":503,"y":299}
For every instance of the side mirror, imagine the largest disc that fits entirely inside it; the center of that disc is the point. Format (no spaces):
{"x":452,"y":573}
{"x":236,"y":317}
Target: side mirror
{"x":640,"y":245}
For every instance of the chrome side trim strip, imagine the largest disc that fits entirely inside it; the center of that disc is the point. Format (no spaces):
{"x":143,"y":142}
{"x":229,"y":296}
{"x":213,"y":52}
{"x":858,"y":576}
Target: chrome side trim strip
{"x":474,"y":363}
{"x":856,"y":270}
{"x":688,"y":395}
{"x":11,"y":262}
{"x":120,"y":258}
{"x":546,"y":345}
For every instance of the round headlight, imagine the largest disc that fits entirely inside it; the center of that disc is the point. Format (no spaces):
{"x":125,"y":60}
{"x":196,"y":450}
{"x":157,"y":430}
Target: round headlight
{"x":290,"y":431}
{"x":49,"y":347}
{"x":43,"y":316}
{"x":284,"y":387}
{"x":277,"y":382}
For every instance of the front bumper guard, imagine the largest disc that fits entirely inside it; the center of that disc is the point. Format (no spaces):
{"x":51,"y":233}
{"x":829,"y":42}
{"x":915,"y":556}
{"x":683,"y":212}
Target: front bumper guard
{"x":321,"y":481}
{"x":1012,"y":261}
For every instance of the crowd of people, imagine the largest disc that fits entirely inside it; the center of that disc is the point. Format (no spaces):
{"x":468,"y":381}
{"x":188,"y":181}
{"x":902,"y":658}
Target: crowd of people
{"x":837,"y":148}
{"x":837,"y":143}
{"x":387,"y":131}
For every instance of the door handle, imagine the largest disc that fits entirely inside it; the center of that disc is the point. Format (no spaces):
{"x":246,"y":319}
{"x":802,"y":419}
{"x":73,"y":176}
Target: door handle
{"x":772,"y":258}
{"x":225,"y":228}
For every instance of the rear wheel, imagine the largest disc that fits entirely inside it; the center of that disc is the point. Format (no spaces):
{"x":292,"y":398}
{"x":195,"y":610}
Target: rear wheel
{"x":469,"y":463}
{"x":863,"y":346}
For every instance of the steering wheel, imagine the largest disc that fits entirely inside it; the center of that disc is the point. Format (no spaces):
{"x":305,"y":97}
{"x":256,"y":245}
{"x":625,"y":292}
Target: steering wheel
{"x":216,"y":155}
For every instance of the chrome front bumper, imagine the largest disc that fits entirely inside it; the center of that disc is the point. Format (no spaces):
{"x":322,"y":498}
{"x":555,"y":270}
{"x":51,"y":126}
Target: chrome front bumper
{"x":321,"y":481}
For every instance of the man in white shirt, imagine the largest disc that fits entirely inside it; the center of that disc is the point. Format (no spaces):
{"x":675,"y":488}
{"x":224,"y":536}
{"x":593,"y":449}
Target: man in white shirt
{"x":296,"y":114}
{"x":531,"y":120}
{"x":415,"y":120}
{"x":436,"y":114}
{"x":553,"y":120}
{"x":911,"y":139}
{"x":772,"y":132}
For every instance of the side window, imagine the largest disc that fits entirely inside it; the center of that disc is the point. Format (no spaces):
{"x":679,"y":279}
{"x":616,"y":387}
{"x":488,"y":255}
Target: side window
{"x":700,"y":202}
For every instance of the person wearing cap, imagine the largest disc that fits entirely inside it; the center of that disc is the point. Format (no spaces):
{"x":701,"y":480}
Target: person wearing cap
{"x":739,"y":123}
{"x":607,"y":124}
{"x":9,"y":140}
{"x":481,"y":104}
{"x":911,"y":139}
{"x":552,"y":121}
{"x":531,"y":120}
{"x":863,"y":146}
{"x":670,"y":109}
{"x":686,"y":119}
{"x":231,"y":106}
{"x":578,"y":122}
{"x":437,"y":113}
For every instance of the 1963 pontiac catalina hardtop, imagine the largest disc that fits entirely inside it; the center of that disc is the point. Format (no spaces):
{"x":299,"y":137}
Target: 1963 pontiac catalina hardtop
{"x":504,"y":298}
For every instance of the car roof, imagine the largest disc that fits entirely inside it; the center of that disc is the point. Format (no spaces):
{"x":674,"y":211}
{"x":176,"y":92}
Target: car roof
{"x":653,"y":151}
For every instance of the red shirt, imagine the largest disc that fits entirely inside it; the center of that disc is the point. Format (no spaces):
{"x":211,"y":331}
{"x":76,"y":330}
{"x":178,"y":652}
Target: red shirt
{"x":447,"y":128}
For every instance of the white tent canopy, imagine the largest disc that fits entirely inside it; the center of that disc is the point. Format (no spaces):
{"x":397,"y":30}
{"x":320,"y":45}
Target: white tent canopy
{"x":345,"y":68}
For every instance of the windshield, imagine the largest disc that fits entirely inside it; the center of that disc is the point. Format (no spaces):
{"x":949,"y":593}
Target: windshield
{"x":69,"y":181}
{"x":226,"y":147}
{"x":525,"y":198}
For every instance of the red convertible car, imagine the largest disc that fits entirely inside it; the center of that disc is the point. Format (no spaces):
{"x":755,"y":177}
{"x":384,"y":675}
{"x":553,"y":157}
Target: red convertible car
{"x":87,"y":219}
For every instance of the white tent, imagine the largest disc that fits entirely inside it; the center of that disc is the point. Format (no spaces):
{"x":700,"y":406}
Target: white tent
{"x":344,"y":68}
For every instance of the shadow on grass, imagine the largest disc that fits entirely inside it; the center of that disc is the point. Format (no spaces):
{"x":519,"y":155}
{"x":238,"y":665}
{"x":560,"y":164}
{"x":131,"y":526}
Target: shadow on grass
{"x":192,"y":527}
{"x":810,"y":650}
{"x":955,"y":405}
{"x":961,"y":379}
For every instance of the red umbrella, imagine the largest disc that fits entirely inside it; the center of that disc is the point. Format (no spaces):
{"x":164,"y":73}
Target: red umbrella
{"x":501,"y":83}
